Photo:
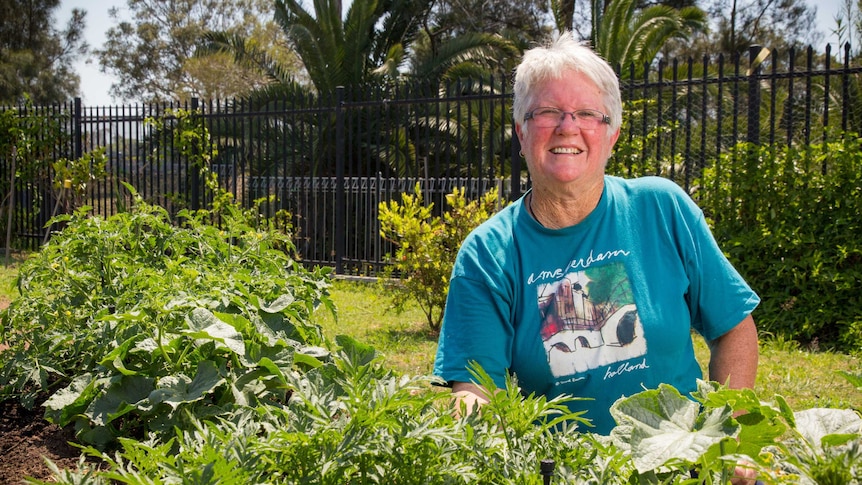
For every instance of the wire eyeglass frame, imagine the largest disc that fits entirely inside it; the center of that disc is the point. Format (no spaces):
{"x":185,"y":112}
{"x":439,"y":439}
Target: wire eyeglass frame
{"x":548,"y":117}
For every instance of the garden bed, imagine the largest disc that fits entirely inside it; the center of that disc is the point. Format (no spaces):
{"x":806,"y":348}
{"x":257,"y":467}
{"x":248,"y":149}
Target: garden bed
{"x":26,"y":439}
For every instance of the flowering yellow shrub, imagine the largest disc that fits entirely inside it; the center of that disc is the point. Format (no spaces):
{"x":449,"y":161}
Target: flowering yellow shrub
{"x":427,"y":245}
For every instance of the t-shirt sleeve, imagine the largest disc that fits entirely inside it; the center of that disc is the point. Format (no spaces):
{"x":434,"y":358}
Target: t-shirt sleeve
{"x":476,"y":328}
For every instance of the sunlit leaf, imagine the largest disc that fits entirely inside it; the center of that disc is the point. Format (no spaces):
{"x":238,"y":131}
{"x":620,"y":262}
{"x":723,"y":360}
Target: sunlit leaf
{"x":817,"y":425}
{"x":179,"y":389}
{"x":666,"y":426}
{"x":279,"y":303}
{"x":214,"y":329}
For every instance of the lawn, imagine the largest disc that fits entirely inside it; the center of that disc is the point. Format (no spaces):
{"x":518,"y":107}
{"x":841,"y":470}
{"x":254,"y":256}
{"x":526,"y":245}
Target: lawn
{"x":8,"y":272}
{"x":806,"y":379}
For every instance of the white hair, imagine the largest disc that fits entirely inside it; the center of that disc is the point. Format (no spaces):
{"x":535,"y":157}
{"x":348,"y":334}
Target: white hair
{"x":563,"y":54}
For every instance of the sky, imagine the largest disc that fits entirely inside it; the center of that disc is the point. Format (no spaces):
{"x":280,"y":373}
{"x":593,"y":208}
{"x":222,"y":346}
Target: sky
{"x":95,"y":85}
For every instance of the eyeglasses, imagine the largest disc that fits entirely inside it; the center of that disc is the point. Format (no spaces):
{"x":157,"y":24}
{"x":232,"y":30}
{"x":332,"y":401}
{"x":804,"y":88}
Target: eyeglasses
{"x":587,"y":119}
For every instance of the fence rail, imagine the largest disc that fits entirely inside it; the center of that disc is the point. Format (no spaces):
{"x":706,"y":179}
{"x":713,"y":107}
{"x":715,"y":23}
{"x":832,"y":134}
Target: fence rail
{"x":329,"y":161}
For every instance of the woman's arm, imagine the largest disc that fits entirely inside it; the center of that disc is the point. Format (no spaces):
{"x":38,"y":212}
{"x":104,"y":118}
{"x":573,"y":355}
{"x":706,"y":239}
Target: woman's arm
{"x":734,"y":355}
{"x":733,"y":361}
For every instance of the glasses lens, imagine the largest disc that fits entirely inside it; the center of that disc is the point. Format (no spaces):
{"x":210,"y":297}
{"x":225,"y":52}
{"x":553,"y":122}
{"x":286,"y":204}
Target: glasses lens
{"x":547,"y":117}
{"x":588,"y":118}
{"x":553,"y":117}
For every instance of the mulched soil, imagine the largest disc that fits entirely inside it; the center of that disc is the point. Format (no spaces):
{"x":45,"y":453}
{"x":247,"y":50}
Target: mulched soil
{"x":26,"y":439}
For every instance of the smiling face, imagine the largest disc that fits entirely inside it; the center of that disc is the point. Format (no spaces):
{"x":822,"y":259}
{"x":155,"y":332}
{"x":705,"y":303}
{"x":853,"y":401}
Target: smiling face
{"x":566,"y":157}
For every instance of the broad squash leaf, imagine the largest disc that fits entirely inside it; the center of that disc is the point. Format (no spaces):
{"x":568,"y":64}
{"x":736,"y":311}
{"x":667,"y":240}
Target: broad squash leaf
{"x":661,"y":425}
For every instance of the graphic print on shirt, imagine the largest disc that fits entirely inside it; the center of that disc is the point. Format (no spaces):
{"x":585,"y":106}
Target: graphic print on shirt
{"x":590,"y":320}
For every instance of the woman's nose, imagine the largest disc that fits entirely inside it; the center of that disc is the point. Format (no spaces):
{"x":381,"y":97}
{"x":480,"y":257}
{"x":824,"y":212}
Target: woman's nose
{"x":568,"y":124}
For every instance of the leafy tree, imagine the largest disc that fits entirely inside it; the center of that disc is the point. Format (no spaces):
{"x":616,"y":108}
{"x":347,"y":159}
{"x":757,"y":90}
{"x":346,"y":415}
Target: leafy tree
{"x":629,"y":32}
{"x":375,"y":43}
{"x":738,"y":24}
{"x":472,"y":55}
{"x":519,"y":22}
{"x":334,"y":50}
{"x":36,"y":58}
{"x":579,"y":17}
{"x":153,"y":55}
{"x":349,"y":51}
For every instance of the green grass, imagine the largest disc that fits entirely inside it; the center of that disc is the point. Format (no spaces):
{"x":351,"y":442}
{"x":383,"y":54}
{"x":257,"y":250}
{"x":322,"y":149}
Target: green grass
{"x":806,"y":379}
{"x":8,"y":272}
{"x":405,"y":340}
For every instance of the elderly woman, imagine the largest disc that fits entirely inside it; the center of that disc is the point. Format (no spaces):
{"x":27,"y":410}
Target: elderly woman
{"x":589,"y":285}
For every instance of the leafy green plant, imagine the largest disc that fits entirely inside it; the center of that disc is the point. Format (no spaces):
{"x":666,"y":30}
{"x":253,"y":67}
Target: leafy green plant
{"x":789,"y":219}
{"x":28,"y":140}
{"x":136,"y":323}
{"x":633,"y":155}
{"x":854,"y":379}
{"x":352,"y":421}
{"x":427,"y":245}
{"x":827,"y":449}
{"x":668,"y":434}
{"x":75,"y":175}
{"x":193,"y":142}
{"x":71,"y":179}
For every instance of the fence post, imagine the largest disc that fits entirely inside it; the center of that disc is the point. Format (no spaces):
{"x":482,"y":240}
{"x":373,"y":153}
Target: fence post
{"x":515,"y":179}
{"x":749,"y":197}
{"x":193,"y":167}
{"x":340,"y":209}
{"x":77,"y":122}
{"x":754,"y":62}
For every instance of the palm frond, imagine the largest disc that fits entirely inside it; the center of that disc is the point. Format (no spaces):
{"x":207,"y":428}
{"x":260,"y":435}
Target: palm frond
{"x":245,"y":53}
{"x":481,"y":49}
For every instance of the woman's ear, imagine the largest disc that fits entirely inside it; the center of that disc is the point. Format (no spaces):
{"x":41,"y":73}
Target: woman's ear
{"x":519,"y":131}
{"x":614,"y":137}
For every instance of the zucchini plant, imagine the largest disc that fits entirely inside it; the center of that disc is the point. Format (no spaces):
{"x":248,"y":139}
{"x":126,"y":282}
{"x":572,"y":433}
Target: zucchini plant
{"x":136,"y":323}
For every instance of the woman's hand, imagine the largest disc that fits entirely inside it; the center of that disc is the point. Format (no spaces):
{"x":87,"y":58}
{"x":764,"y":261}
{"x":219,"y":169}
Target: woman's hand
{"x":469,"y":395}
{"x":744,"y":474}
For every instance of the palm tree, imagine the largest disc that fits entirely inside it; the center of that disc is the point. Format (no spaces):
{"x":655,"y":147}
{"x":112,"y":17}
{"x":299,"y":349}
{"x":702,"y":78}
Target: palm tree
{"x":473,"y":137}
{"x":378,"y":42}
{"x":626,"y":36}
{"x":349,"y":52}
{"x":466,"y":56}
{"x":375,"y":46}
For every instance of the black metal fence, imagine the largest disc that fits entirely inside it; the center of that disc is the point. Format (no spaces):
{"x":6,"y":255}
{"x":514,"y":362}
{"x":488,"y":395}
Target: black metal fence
{"x":330,"y":161}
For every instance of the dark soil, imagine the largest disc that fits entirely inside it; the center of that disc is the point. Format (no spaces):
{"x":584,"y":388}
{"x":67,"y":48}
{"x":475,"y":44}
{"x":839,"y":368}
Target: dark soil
{"x":26,"y":439}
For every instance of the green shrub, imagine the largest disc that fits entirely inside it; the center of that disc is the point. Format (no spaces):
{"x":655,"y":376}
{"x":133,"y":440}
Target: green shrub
{"x":29,"y":140}
{"x":137,"y":323}
{"x":427,"y":245}
{"x":790,"y":219}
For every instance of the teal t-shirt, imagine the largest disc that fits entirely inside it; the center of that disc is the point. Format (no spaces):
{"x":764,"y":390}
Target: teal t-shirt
{"x":602,"y":309}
